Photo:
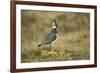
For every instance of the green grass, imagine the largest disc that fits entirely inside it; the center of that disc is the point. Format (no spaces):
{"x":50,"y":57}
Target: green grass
{"x":72,"y":43}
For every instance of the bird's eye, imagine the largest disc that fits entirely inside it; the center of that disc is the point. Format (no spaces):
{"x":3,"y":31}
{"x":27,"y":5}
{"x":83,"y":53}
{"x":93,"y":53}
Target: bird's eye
{"x":56,"y":25}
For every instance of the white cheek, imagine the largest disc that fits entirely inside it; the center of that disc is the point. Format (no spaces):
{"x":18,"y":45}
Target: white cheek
{"x":54,"y":27}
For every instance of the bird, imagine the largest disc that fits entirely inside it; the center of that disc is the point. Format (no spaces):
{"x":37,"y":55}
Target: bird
{"x":51,"y":36}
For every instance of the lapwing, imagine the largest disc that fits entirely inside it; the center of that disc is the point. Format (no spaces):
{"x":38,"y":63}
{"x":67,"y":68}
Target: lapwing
{"x":51,"y":36}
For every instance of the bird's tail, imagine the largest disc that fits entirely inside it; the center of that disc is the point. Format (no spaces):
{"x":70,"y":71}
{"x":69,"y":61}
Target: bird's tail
{"x":39,"y":45}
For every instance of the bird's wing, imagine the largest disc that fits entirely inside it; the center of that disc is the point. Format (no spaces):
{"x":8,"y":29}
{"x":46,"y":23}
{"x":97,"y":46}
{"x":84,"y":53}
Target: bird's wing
{"x":49,"y":38}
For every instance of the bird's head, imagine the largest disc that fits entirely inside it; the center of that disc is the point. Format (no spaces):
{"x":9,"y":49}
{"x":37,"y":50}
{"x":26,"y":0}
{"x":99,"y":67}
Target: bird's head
{"x":54,"y":27}
{"x":54,"y":24}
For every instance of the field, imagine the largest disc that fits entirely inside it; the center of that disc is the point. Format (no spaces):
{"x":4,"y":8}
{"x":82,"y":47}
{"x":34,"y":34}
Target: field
{"x":73,"y":41}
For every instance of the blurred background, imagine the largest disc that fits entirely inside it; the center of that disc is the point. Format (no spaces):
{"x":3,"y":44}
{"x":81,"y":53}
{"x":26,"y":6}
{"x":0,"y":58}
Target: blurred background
{"x":73,"y":42}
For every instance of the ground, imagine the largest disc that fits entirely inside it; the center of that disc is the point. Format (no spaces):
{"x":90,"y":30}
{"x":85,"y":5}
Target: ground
{"x":72,"y":43}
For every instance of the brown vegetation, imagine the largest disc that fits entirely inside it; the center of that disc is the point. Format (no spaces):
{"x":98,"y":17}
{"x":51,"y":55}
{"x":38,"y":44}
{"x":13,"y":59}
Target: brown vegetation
{"x":72,"y":43}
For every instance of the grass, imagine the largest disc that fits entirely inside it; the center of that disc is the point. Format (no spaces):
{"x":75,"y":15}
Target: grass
{"x":65,"y":48}
{"x":72,"y":43}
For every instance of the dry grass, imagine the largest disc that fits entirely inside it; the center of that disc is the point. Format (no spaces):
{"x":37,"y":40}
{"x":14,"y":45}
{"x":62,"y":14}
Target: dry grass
{"x":72,"y":43}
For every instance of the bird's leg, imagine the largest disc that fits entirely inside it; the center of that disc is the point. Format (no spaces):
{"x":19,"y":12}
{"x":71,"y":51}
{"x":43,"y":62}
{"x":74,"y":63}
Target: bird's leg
{"x":50,"y":45}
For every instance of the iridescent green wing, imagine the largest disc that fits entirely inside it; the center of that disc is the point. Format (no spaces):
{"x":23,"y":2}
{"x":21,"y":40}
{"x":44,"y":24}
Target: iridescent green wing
{"x":49,"y":38}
